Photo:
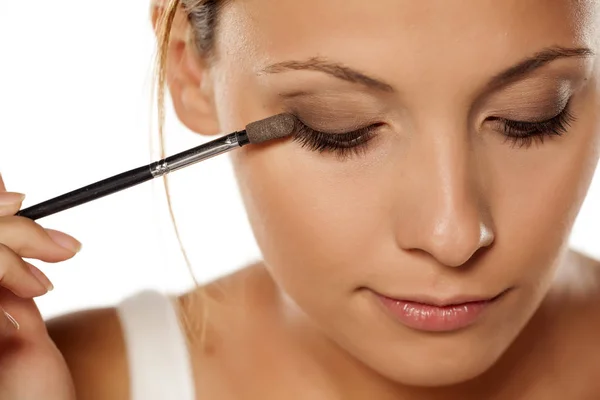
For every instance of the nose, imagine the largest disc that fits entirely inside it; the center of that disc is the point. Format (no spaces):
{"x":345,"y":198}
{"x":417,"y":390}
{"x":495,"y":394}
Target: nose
{"x":442,"y":208}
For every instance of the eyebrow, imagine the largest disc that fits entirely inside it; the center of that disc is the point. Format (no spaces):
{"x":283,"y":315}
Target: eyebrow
{"x":537,"y":61}
{"x":351,"y":75}
{"x":337,"y":70}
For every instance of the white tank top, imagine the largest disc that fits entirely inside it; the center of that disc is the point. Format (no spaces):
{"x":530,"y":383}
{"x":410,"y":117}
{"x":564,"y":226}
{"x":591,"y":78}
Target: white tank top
{"x":159,"y":360}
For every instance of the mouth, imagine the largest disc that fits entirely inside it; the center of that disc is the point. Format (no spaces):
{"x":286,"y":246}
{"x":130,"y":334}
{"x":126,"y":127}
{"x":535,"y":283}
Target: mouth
{"x":437,"y":315}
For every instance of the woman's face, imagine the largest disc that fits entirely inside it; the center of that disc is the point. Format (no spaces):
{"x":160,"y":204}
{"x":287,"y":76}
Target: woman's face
{"x":452,"y":95}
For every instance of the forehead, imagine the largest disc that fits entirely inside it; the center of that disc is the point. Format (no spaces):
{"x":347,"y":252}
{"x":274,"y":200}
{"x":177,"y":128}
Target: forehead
{"x":393,"y":31}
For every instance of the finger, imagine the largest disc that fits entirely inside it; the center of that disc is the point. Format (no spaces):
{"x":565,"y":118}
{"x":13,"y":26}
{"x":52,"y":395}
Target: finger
{"x":10,"y":203}
{"x":40,"y":276}
{"x":17,"y":276}
{"x":2,"y":186}
{"x":30,"y":240}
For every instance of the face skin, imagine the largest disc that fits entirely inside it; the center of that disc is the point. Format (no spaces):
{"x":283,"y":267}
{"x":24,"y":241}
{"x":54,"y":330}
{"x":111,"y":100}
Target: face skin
{"x":403,"y":216}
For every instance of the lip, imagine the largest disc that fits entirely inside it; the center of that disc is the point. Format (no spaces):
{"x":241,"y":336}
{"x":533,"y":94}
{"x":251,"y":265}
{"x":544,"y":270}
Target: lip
{"x":437,"y":315}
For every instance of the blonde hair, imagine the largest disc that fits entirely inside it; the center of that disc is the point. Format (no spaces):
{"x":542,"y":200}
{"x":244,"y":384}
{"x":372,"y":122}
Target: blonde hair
{"x":202,"y":16}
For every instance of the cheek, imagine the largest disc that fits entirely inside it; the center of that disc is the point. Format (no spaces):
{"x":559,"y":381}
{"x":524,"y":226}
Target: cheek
{"x":535,"y":196}
{"x":315,"y":219}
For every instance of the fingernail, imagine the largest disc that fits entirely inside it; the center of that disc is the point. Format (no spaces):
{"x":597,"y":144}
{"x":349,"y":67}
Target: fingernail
{"x":12,"y":320}
{"x":40,"y":276}
{"x":10,"y":198}
{"x":64,"y":240}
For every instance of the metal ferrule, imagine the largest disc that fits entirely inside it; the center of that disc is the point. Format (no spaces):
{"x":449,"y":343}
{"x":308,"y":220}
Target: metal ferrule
{"x":195,"y":155}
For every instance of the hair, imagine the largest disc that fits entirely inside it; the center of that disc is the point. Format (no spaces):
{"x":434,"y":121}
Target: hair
{"x":202,"y":17}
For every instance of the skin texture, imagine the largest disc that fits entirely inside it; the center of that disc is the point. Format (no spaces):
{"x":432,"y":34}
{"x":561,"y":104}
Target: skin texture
{"x":403,"y":217}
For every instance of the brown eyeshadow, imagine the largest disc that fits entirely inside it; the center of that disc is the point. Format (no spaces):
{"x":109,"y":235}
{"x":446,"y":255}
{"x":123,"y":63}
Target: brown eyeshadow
{"x":333,"y":113}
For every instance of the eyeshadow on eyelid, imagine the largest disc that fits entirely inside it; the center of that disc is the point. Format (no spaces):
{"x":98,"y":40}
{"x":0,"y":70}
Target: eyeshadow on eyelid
{"x":540,"y":108}
{"x":335,"y":112}
{"x":334,"y":121}
{"x":341,"y":113}
{"x":537,"y":99}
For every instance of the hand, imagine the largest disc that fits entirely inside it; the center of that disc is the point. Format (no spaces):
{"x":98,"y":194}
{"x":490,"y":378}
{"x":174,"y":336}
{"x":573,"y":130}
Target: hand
{"x":31,"y":367}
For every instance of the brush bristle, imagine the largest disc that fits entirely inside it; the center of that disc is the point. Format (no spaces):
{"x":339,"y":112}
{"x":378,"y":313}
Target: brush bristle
{"x":275,"y":127}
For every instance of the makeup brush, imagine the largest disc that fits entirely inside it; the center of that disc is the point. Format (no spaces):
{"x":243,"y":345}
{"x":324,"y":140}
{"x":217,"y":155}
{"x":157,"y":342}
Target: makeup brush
{"x":275,"y":127}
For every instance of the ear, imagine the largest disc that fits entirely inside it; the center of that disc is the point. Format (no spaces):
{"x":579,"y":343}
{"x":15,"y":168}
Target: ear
{"x":187,"y":75}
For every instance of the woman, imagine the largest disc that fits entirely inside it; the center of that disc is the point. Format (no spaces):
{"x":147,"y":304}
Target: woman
{"x":414,"y":231}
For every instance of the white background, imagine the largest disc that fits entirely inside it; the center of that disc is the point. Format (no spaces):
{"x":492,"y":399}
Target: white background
{"x":75,"y":107}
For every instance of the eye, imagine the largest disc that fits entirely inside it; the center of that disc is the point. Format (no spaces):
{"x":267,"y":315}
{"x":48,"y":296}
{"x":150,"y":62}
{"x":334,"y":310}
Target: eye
{"x":343,"y":145}
{"x":525,"y":133}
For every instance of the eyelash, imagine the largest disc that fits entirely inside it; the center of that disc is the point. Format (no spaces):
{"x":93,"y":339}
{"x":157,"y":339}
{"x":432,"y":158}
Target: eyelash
{"x":519,"y":133}
{"x":524,"y":134}
{"x":343,"y":145}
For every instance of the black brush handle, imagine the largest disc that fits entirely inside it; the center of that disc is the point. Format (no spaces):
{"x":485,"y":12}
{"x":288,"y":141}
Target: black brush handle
{"x":88,"y":193}
{"x":136,"y":176}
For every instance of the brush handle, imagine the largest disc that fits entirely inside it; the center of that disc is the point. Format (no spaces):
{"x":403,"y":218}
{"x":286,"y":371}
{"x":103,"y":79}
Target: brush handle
{"x":136,"y":176}
{"x":88,"y":193}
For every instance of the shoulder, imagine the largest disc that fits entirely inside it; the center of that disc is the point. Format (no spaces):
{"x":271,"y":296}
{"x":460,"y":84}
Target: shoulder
{"x":574,"y":313}
{"x":576,"y":294}
{"x":587,"y":298}
{"x":96,"y":345}
{"x":93,"y":346}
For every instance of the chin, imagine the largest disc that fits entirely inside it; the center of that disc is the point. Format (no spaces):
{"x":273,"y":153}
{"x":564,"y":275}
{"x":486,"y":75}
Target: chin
{"x":435,"y":372}
{"x":431,"y":376}
{"x":429,"y":362}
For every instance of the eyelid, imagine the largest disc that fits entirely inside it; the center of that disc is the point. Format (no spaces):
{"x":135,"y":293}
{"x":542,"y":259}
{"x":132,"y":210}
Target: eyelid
{"x":523,"y":100}
{"x":341,"y":115}
{"x":534,"y":112}
{"x":348,"y":131}
{"x":555,"y":112}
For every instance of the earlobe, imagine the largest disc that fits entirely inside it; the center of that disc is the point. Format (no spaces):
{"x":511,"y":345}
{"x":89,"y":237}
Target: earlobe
{"x":187,"y":78}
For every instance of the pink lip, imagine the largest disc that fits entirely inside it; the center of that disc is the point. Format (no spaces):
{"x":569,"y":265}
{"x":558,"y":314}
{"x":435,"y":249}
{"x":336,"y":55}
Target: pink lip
{"x":434,"y":315}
